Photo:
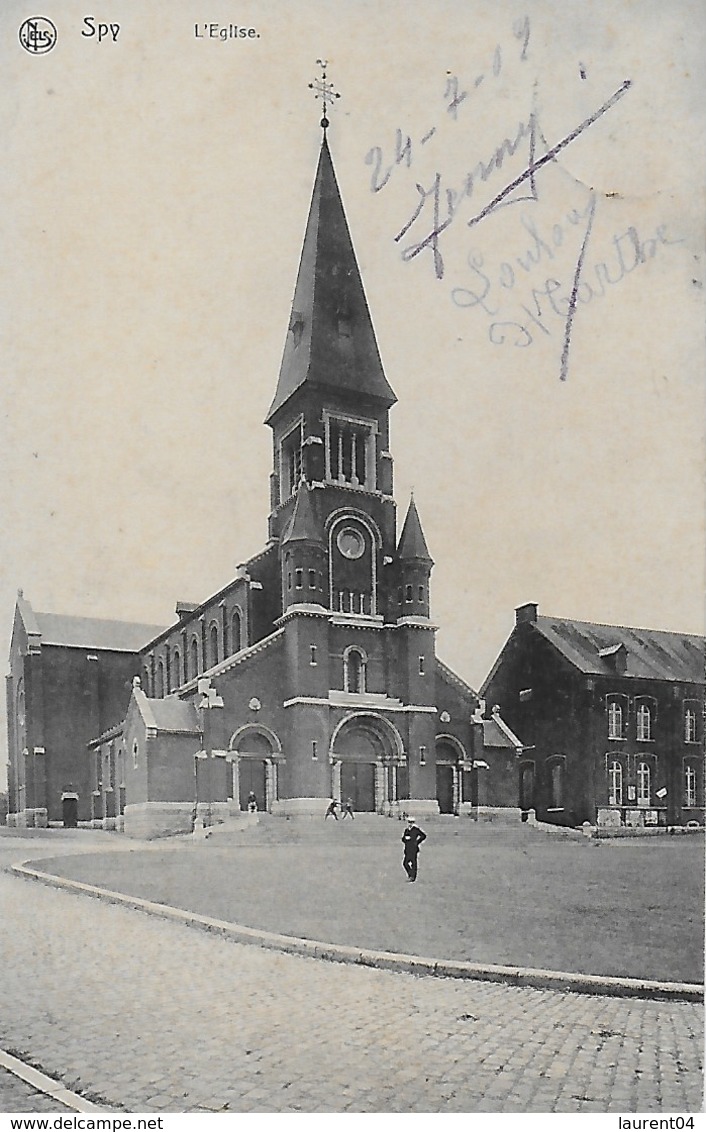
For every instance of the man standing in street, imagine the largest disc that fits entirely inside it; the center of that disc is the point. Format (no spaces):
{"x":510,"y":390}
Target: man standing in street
{"x":412,"y":838}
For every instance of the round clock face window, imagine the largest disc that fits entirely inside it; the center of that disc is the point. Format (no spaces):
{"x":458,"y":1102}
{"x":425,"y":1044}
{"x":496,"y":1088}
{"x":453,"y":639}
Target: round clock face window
{"x":350,"y":543}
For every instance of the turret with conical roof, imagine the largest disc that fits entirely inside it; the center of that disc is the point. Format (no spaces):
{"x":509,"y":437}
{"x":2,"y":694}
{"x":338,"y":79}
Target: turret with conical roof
{"x":303,"y":555}
{"x":414,"y":564}
{"x":412,"y":544}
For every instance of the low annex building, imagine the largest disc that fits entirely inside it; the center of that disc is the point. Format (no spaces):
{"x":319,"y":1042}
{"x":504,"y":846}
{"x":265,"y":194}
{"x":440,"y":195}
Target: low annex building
{"x":611,"y":720}
{"x":313,"y":674}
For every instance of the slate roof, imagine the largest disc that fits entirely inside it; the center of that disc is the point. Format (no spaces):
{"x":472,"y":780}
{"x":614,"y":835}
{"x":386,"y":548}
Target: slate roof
{"x":496,"y":733}
{"x":303,"y":526}
{"x":412,"y":542}
{"x":331,"y":341}
{"x":454,"y":679}
{"x":649,"y":652}
{"x":94,"y":632}
{"x":173,"y":714}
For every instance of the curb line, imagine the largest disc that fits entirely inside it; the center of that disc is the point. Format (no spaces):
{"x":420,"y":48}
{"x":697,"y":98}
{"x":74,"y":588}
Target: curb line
{"x":47,"y":1085}
{"x":386,"y":960}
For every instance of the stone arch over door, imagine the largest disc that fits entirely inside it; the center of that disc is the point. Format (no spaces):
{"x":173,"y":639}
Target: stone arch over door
{"x":255,"y":752}
{"x":456,"y":781}
{"x":367,"y":757}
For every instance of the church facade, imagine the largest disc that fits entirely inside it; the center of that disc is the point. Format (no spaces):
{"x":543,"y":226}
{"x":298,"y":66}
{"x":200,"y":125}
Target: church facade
{"x":314,"y":673}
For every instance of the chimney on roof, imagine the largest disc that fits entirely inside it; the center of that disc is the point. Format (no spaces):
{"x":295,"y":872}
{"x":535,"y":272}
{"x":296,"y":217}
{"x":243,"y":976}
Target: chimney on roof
{"x":185,"y":608}
{"x":527,"y":612}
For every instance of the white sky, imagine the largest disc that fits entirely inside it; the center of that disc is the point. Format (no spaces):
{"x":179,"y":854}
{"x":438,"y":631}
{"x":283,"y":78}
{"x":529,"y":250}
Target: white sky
{"x":154,"y":193}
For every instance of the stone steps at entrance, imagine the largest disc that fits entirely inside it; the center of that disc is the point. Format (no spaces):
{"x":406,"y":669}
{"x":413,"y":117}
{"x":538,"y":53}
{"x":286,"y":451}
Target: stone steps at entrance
{"x":271,"y":829}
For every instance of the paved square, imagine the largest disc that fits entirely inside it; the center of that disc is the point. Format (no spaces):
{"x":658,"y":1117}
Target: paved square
{"x":152,"y":1016}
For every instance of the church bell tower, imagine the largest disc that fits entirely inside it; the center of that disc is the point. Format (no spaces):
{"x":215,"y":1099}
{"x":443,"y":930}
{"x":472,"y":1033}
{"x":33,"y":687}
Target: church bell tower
{"x":359,"y":681}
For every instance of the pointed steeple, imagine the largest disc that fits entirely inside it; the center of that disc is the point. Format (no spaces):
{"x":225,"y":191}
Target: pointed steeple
{"x":304,"y":526}
{"x":330,"y":342}
{"x":412,"y":543}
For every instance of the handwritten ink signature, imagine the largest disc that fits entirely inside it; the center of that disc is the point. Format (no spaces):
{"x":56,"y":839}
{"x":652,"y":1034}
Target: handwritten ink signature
{"x":446,"y":202}
{"x":449,"y":200}
{"x":628,"y":252}
{"x":440,"y":204}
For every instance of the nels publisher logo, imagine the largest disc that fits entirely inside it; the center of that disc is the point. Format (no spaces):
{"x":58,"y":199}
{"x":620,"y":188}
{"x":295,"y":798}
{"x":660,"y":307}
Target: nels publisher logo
{"x":38,"y":35}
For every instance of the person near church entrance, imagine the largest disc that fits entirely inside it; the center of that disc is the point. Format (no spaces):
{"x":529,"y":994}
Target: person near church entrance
{"x":252,"y":802}
{"x":348,"y":809}
{"x":412,"y":838}
{"x":331,"y":811}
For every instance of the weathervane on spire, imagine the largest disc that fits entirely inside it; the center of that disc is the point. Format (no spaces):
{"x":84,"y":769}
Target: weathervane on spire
{"x":324,"y":90}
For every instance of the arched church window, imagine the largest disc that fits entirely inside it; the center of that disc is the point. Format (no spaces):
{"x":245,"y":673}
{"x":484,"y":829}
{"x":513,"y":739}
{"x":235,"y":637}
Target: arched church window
{"x":354,"y":670}
{"x":408,"y":593}
{"x":213,"y":645}
{"x":176,"y":669}
{"x":194,"y":666}
{"x":21,"y":715}
{"x":235,"y":631}
{"x":159,"y":690}
{"x":557,"y":781}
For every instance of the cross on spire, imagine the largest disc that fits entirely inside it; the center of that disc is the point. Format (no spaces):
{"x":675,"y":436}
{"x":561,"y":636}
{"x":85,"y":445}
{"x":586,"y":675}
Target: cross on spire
{"x":324,"y":90}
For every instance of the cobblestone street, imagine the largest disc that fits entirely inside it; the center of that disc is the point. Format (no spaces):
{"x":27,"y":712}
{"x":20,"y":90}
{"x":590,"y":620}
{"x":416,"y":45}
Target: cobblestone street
{"x":152,"y":1016}
{"x":18,"y":1096}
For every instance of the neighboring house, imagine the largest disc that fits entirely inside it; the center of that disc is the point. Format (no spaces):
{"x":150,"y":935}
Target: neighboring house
{"x":69,"y":678}
{"x":611,"y":720}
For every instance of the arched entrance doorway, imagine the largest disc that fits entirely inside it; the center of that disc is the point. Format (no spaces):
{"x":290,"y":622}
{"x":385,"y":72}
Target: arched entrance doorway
{"x":368,"y":763}
{"x":255,"y":752}
{"x":454,"y":775}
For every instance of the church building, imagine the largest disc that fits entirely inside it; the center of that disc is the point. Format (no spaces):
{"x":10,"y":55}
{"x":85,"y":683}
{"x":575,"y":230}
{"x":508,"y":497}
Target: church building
{"x":313,"y":674}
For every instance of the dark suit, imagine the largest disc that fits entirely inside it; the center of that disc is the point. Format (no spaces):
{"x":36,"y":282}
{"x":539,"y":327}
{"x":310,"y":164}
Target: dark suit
{"x":412,"y":838}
